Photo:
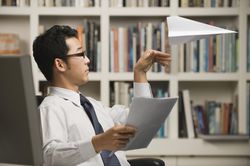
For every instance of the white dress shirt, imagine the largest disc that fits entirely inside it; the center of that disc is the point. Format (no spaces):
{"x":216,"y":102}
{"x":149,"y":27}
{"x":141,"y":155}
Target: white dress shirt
{"x":67,"y":130}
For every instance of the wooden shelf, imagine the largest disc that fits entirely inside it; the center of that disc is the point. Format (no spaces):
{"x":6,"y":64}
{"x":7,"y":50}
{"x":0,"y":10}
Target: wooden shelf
{"x":159,"y":11}
{"x":69,"y":11}
{"x":208,"y":11}
{"x":192,"y":147}
{"x":208,"y":76}
{"x":19,"y":11}
{"x":224,"y":137}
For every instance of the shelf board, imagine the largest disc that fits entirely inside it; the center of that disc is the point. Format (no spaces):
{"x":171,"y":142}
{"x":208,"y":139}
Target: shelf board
{"x":192,"y":147}
{"x":13,"y":10}
{"x":136,"y":11}
{"x":208,"y":76}
{"x":224,"y":137}
{"x":125,"y":76}
{"x":129,"y":76}
{"x":69,"y":11}
{"x":93,"y":76}
{"x":208,"y":11}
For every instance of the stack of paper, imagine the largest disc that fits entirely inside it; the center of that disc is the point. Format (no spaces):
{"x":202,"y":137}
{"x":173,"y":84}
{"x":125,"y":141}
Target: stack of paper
{"x":147,"y":115}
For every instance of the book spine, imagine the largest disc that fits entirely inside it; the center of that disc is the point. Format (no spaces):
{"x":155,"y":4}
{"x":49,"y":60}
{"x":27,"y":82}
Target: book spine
{"x":188,"y":113}
{"x":111,"y":53}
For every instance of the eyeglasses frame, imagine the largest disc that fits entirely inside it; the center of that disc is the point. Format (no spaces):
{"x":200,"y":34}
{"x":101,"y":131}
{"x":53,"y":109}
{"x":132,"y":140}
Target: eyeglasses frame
{"x":80,"y":54}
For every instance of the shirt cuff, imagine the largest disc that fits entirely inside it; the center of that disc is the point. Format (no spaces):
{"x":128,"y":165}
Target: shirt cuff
{"x":142,"y":90}
{"x":87,"y":149}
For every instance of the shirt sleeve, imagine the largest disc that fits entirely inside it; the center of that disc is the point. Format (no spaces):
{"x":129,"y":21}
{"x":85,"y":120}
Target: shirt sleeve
{"x":56,"y":149}
{"x":142,"y":90}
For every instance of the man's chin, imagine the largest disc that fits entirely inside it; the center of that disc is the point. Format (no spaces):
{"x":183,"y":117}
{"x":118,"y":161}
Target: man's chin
{"x":86,"y":80}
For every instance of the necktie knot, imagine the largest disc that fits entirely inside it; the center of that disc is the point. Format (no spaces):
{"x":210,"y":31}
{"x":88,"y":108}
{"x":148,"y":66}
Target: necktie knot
{"x":83,"y":100}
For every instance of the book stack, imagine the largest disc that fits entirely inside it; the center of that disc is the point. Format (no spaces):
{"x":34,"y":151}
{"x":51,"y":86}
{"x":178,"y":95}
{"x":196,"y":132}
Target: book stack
{"x":89,"y":36}
{"x":213,"y":54}
{"x":69,"y":3}
{"x":9,"y":44}
{"x":121,"y":93}
{"x":19,"y":3}
{"x":139,"y":3}
{"x":248,"y":50}
{"x":209,"y":3}
{"x":161,"y":93}
{"x":248,"y":108}
{"x":127,"y":44}
{"x":212,"y":118}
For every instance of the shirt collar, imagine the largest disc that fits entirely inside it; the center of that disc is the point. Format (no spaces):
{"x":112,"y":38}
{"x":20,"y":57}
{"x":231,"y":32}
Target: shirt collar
{"x":66,"y":94}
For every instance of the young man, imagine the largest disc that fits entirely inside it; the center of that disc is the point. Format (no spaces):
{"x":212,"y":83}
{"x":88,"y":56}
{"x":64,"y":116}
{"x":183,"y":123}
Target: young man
{"x":78,"y":130}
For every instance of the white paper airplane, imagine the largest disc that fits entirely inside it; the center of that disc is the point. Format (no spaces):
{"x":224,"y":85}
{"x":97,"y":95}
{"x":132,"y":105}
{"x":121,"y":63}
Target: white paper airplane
{"x":182,"y":30}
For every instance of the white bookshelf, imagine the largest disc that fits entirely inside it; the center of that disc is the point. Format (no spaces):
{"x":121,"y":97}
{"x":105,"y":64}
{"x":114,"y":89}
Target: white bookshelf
{"x":25,"y":21}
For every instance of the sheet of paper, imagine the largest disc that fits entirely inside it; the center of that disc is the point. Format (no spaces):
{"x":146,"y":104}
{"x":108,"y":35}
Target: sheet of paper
{"x":183,"y":30}
{"x":147,"y":115}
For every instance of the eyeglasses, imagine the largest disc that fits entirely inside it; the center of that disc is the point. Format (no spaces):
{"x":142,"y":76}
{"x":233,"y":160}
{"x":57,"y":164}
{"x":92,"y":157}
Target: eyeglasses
{"x":80,"y":54}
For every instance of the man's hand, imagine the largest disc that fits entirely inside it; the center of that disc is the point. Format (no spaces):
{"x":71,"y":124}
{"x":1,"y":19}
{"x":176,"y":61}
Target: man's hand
{"x":115,"y":138}
{"x":147,"y":60}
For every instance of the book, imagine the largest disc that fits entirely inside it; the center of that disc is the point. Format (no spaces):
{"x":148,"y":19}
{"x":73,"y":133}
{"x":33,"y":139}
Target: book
{"x":9,"y":44}
{"x":188,"y":113}
{"x":182,"y":118}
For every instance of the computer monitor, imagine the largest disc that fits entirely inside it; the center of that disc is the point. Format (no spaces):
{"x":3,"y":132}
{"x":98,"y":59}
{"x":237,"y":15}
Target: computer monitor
{"x":20,"y":130}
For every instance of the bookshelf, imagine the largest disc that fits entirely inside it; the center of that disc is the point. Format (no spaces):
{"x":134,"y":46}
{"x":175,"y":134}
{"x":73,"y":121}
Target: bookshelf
{"x":216,"y":86}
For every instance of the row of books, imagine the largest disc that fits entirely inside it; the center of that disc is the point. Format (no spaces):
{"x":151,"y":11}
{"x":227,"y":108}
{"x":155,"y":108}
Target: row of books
{"x":127,"y":44}
{"x":248,"y":49}
{"x":75,"y":3}
{"x":9,"y":44}
{"x":20,"y":3}
{"x":209,"y":3}
{"x":121,"y":93}
{"x":213,"y":118}
{"x":89,"y":36}
{"x":248,"y":107}
{"x":139,"y":3}
{"x":213,"y":54}
{"x":163,"y":131}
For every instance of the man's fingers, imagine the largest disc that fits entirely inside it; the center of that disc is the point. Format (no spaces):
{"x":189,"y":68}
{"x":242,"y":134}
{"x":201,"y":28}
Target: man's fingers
{"x":127,"y":130}
{"x":158,"y":59}
{"x":121,"y":141}
{"x":166,"y":63}
{"x":124,"y":130}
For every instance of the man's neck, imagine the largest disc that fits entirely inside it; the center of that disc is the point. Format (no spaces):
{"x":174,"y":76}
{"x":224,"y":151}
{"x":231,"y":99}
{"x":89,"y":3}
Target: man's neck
{"x":66,"y":86}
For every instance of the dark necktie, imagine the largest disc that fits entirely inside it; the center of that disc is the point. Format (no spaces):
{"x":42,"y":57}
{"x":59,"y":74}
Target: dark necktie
{"x":89,"y":109}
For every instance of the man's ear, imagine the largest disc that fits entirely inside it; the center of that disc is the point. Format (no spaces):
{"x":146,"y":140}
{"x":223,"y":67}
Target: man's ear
{"x":60,"y":64}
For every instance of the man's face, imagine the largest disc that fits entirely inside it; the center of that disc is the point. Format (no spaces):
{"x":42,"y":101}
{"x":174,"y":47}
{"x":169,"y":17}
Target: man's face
{"x":78,"y":70}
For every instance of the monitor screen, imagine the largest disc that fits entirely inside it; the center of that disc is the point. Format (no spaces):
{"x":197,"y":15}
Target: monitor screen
{"x":20,"y":131}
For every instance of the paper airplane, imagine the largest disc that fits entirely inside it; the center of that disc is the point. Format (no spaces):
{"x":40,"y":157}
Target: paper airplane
{"x":182,"y":30}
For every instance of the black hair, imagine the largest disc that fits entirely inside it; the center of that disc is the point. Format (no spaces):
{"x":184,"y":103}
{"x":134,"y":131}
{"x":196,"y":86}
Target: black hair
{"x":51,"y":45}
